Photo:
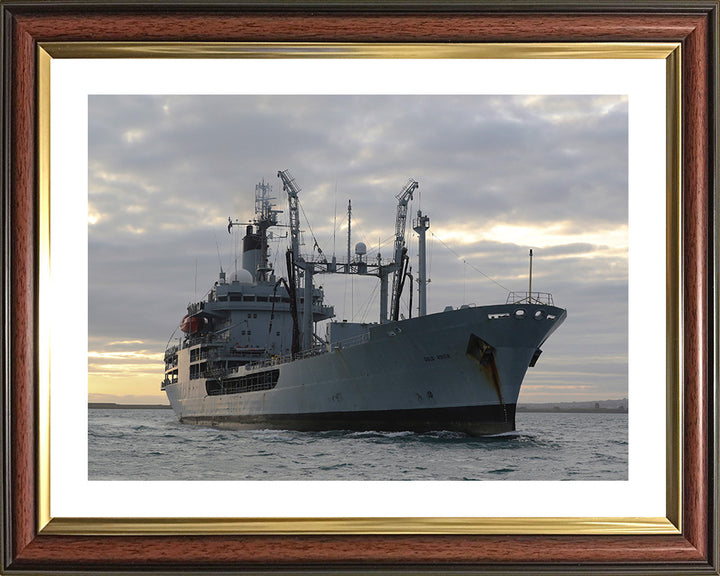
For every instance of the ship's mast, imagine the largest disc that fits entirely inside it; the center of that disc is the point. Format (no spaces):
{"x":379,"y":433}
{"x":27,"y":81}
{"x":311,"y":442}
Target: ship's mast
{"x":255,"y":243}
{"x":383,"y":272}
{"x":530,"y":278}
{"x":420,"y":225}
{"x":265,"y":217}
{"x":347,"y":267}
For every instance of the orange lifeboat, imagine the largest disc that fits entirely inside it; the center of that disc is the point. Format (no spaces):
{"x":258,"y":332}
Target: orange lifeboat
{"x":192,"y":324}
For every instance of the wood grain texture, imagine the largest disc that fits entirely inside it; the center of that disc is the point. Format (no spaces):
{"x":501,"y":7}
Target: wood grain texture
{"x":221,"y":552}
{"x":23,"y":293}
{"x":369,"y":28}
{"x":688,"y":552}
{"x":696,"y":207}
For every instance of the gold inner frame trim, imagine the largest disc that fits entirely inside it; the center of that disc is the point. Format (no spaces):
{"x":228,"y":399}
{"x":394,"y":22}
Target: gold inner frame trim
{"x":43,"y":169}
{"x":386,"y":525}
{"x":674,"y":310}
{"x":609,"y":50}
{"x":294,"y":526}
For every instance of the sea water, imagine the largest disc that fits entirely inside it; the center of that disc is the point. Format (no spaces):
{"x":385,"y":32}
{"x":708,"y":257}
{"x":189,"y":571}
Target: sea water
{"x":150,"y":444}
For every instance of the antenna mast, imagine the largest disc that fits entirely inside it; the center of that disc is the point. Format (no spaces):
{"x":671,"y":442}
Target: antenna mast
{"x":335,"y":219}
{"x":530,"y":279}
{"x":347,"y":267}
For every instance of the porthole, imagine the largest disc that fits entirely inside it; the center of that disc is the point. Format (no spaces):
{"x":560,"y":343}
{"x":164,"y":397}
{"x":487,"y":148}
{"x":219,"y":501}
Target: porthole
{"x":540,"y":315}
{"x":520,"y":313}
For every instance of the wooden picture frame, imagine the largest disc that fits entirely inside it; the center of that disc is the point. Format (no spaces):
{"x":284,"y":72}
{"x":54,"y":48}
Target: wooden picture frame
{"x":30,"y":546}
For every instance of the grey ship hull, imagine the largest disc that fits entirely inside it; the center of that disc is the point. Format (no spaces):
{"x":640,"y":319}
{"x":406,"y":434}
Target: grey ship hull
{"x":458,"y":370}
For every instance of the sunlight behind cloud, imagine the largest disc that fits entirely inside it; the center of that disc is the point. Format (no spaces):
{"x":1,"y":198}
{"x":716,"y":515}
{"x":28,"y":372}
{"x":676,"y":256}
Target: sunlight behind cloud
{"x":567,"y":110}
{"x":134,"y":135}
{"x":144,"y":354}
{"x":122,"y":370}
{"x":557,"y":235}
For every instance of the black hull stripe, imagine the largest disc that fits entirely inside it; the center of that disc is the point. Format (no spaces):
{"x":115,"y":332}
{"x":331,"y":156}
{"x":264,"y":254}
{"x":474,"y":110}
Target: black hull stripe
{"x":474,"y":420}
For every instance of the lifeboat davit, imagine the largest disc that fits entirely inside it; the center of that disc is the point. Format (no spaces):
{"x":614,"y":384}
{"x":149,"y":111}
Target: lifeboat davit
{"x":193,"y":324}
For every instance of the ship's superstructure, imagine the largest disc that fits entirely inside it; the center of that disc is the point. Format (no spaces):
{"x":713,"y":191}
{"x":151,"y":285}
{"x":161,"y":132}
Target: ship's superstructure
{"x":249,"y":356}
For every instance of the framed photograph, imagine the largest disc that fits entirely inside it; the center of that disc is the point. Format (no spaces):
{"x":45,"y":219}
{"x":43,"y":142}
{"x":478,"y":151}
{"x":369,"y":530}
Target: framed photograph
{"x":70,"y":70}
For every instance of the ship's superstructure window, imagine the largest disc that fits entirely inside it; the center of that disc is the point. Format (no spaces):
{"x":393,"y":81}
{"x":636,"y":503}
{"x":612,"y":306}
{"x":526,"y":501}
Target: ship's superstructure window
{"x":171,"y":377}
{"x":171,"y":359}
{"x":198,"y":370}
{"x":248,"y":298}
{"x":256,"y":382}
{"x":198,"y":354}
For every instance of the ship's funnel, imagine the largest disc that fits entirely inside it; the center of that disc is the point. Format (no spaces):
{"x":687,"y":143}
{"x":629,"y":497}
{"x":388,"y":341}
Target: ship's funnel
{"x":251,"y":251}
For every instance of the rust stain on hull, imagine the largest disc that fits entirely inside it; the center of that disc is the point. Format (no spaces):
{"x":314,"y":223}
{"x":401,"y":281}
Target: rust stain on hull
{"x":483,"y":354}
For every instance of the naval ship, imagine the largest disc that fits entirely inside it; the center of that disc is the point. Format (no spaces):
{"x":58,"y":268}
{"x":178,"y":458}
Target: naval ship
{"x":249,"y":356}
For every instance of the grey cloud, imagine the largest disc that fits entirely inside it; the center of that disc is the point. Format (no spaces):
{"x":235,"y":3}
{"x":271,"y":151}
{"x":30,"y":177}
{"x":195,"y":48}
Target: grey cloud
{"x":178,"y":173}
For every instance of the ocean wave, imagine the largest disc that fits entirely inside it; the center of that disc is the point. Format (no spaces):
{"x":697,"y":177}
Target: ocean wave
{"x":512,"y":434}
{"x":444,"y":435}
{"x":105,"y":434}
{"x":337,"y":466}
{"x":380,"y":434}
{"x":501,"y":471}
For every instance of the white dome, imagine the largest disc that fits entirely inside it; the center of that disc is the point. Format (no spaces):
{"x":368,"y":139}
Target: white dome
{"x":242,"y":276}
{"x":360,"y":249}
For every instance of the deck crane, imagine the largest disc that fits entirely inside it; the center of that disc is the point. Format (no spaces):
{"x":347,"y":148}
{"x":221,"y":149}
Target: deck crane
{"x":400,"y":253}
{"x":292,"y":188}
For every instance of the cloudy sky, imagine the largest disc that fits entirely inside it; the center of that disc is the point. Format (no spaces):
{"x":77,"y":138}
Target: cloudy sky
{"x":497,"y":175}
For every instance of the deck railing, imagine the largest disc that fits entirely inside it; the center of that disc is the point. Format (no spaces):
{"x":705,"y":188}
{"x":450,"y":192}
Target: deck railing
{"x":544,"y":298}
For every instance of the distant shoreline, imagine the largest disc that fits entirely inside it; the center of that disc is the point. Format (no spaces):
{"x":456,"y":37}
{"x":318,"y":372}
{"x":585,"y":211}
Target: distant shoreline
{"x":116,"y":406}
{"x":559,"y":410}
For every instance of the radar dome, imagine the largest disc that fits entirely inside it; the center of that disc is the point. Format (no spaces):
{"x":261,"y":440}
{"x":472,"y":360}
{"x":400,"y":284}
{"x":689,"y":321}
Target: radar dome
{"x":242,"y":276}
{"x":360,"y":249}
